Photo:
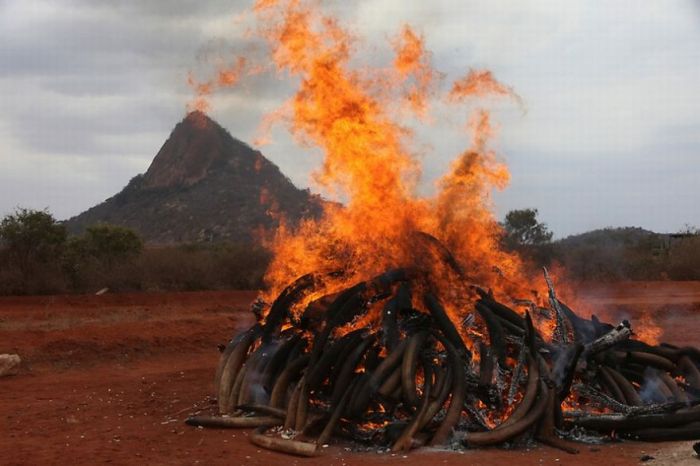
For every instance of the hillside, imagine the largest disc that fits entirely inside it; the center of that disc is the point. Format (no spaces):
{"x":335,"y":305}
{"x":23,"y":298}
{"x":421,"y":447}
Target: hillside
{"x":608,"y":238}
{"x":203,"y":185}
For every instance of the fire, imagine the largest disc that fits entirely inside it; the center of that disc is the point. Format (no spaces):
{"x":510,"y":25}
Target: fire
{"x":383,"y":300}
{"x":368,"y":161}
{"x":413,"y":61}
{"x":227,"y":76}
{"x":353,"y":114}
{"x":647,"y":330}
{"x":480,"y":84}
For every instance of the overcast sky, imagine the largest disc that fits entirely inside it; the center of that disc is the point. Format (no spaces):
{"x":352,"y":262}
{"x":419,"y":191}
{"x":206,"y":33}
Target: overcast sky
{"x":90,"y":90}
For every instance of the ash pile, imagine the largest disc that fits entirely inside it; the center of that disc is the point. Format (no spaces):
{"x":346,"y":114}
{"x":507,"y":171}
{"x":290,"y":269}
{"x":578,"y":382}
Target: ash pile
{"x":385,"y":363}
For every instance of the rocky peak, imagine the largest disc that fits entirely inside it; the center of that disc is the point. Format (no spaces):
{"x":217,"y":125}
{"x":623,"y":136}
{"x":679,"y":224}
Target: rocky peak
{"x":196,"y":145}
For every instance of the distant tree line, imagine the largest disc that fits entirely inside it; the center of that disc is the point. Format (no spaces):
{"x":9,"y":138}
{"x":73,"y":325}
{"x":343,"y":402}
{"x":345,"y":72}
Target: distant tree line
{"x":38,"y":256}
{"x":610,"y":254}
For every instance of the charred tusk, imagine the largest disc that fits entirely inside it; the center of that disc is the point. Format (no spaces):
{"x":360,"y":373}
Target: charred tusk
{"x":237,"y":422}
{"x":458,"y":391}
{"x":408,"y":367}
{"x":232,"y":366}
{"x":279,"y":391}
{"x":405,"y":441}
{"x":531,"y":390}
{"x":293,"y":447}
{"x":505,"y":433}
{"x":263,"y":409}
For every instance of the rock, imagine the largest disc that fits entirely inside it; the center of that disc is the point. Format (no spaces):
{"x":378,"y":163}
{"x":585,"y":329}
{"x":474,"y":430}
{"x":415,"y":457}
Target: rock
{"x":9,"y":364}
{"x":204,"y":185}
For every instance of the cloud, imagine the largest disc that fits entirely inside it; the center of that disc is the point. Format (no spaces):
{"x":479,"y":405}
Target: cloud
{"x":92,"y":88}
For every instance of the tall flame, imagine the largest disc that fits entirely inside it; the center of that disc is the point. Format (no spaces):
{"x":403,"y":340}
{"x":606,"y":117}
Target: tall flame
{"x":368,"y":161}
{"x":413,"y":62}
{"x":352,"y":114}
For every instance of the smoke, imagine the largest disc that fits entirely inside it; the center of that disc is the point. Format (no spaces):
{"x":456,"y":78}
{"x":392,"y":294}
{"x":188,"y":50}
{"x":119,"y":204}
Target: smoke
{"x":653,"y":388}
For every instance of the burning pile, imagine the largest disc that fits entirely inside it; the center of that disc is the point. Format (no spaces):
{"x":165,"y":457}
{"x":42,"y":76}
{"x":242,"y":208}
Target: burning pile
{"x":383,"y":336}
{"x":382,"y":362}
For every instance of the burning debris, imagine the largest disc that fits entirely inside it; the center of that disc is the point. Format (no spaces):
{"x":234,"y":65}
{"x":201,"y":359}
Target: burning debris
{"x":382,"y":362}
{"x":382,"y":337}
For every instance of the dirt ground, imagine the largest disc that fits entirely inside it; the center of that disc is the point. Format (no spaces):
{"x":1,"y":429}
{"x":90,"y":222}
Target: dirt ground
{"x":110,"y":379}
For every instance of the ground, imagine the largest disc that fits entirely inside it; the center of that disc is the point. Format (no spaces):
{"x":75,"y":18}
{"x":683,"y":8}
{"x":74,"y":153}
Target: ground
{"x":110,"y":379}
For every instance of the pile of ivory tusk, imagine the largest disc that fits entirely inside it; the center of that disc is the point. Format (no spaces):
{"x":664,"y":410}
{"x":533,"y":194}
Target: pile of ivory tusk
{"x":411,"y":380}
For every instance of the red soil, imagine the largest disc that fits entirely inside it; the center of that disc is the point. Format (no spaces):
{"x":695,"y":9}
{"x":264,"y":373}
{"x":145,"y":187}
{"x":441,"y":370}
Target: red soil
{"x":110,"y":379}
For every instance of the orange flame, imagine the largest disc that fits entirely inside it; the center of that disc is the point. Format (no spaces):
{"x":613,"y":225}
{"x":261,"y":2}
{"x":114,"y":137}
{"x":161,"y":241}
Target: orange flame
{"x":413,"y":61}
{"x":226,"y":77}
{"x":368,"y":161}
{"x":480,"y":84}
{"x":350,"y":114}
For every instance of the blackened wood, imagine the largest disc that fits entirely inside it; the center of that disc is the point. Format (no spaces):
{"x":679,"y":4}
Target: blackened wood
{"x":517,"y":372}
{"x":561,"y":331}
{"x":613,"y":337}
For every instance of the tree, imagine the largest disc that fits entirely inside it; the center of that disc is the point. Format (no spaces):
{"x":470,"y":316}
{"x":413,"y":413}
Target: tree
{"x":526,"y":235}
{"x":93,"y":258}
{"x":31,"y":237}
{"x":523,"y":229}
{"x":111,"y":243}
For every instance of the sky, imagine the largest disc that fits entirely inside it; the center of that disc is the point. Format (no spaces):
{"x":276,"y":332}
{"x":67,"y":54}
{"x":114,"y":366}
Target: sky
{"x":609,"y":135}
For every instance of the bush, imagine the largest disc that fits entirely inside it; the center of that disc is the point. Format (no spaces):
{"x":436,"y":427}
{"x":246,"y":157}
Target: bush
{"x":31,"y":237}
{"x":111,"y":243}
{"x":202,"y":267}
{"x":37,"y":257}
{"x":32,"y":245}
{"x":684,"y":260}
{"x":173,"y":268}
{"x":525,"y":234}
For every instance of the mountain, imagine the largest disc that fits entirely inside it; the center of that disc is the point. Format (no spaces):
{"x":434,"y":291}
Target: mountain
{"x":203,"y":185}
{"x":608,"y":238}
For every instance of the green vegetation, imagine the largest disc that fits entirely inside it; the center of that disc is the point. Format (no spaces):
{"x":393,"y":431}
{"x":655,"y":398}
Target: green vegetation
{"x":38,"y":257}
{"x":32,"y":238}
{"x":523,"y":229}
{"x":609,"y":254}
{"x":525,"y":234}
